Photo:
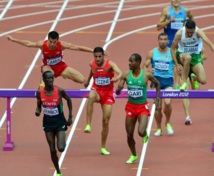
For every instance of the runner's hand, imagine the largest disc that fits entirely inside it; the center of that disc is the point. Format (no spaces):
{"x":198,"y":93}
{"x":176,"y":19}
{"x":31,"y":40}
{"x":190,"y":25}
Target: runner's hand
{"x":70,"y":121}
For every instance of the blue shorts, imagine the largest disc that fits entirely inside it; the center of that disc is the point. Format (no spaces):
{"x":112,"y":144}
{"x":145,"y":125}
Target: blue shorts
{"x":164,"y":82}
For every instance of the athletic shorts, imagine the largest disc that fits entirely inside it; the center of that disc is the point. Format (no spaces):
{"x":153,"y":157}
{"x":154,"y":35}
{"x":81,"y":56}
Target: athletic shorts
{"x":164,"y":82}
{"x":58,"y":69}
{"x":55,"y":128}
{"x":195,"y":58}
{"x":54,"y":124}
{"x":137,"y":110}
{"x":106,"y":97}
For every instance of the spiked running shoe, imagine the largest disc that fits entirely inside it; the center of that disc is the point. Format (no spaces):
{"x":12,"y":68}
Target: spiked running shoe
{"x":132,"y":159}
{"x":158,"y":132}
{"x":87,"y":129}
{"x":145,"y":138}
{"x":103,"y":151}
{"x":169,"y":129}
{"x":188,"y":121}
{"x":177,"y":87}
{"x":183,"y":87}
{"x":195,"y":82}
{"x":58,"y":174}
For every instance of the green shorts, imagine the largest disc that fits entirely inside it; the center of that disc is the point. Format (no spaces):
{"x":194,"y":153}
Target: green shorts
{"x":196,"y":58}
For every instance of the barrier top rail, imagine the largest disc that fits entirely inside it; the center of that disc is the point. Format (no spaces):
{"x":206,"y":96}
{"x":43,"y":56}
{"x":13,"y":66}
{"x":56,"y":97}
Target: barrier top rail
{"x":83,"y":93}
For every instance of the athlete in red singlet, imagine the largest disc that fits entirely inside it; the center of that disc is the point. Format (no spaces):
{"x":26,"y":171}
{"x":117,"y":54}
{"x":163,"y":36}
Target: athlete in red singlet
{"x":54,"y":122}
{"x":102,"y":71}
{"x":52,"y":55}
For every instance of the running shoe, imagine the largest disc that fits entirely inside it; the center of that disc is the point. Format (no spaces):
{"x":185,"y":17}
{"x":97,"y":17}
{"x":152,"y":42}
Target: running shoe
{"x":40,"y":86}
{"x":177,"y":87}
{"x":169,"y":129}
{"x":188,"y":121}
{"x":183,"y":87}
{"x":132,"y":159}
{"x":58,"y":174}
{"x":87,"y":129}
{"x":145,"y":138}
{"x":195,"y":83}
{"x":158,"y":132}
{"x":103,"y":151}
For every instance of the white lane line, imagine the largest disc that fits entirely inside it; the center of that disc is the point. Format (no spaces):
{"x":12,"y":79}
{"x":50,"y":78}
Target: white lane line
{"x":34,"y":60}
{"x":98,"y":24}
{"x":85,"y":99}
{"x":144,"y":148}
{"x":5,"y":9}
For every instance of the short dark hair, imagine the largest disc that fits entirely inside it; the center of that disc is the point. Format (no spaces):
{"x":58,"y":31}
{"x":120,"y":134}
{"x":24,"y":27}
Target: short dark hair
{"x":53,"y":35}
{"x":98,"y":50}
{"x":45,"y":73}
{"x":190,"y":24}
{"x":162,"y":34}
{"x":137,"y":57}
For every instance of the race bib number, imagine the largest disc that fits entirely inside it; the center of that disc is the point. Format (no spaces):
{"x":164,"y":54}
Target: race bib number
{"x":190,"y":50}
{"x":51,"y":111}
{"x":54,"y":61}
{"x":162,"y":66}
{"x":176,"y":25}
{"x":135,"y":93}
{"x":102,"y":81}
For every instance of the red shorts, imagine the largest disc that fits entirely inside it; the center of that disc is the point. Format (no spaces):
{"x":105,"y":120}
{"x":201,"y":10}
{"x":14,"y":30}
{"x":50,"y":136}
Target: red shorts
{"x":106,"y":96}
{"x":57,"y":69}
{"x":137,"y":110}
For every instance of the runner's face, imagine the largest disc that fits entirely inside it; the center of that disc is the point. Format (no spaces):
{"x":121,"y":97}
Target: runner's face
{"x":99,"y":58}
{"x":52,"y":43}
{"x":189,"y":32}
{"x":175,"y":3}
{"x":163,"y":42}
{"x":133,"y":64}
{"x":49,"y":79}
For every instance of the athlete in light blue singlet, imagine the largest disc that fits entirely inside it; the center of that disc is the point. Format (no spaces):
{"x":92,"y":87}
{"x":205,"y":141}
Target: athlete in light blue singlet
{"x":162,"y":66}
{"x":174,"y":26}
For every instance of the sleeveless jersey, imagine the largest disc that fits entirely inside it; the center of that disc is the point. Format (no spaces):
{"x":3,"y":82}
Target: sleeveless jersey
{"x":137,"y":89}
{"x":52,"y":57}
{"x":191,"y":45}
{"x":102,"y":77}
{"x":52,"y":105}
{"x":162,"y":63}
{"x":175,"y":25}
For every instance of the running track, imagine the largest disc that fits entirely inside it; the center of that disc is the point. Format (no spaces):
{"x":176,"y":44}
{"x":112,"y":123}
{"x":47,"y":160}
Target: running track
{"x":122,"y":28}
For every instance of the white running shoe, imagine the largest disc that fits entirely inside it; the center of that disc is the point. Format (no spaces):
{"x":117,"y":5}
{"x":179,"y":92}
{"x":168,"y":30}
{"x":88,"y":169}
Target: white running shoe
{"x":158,"y":132}
{"x":188,"y":121}
{"x":169,"y":129}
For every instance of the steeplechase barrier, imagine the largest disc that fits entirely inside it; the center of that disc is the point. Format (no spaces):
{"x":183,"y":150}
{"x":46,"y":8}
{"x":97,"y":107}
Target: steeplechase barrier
{"x":83,"y":93}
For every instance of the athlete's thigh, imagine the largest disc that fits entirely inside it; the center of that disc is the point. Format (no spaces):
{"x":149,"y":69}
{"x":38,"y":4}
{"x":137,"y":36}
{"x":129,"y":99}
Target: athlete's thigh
{"x":93,"y":95}
{"x":50,"y":137}
{"x":61,"y":138}
{"x":143,"y":121}
{"x":107,"y":110}
{"x":71,"y":73}
{"x":130,"y":125}
{"x":46,"y":68}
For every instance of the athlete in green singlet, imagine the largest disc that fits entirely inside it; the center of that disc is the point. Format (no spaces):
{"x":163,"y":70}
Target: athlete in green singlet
{"x":137,"y":107}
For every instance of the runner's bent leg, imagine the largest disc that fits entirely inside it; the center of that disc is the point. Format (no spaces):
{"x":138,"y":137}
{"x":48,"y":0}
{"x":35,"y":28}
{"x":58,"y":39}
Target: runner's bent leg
{"x":92,"y":98}
{"x":73,"y":74}
{"x":200,"y":73}
{"x":61,"y":141}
